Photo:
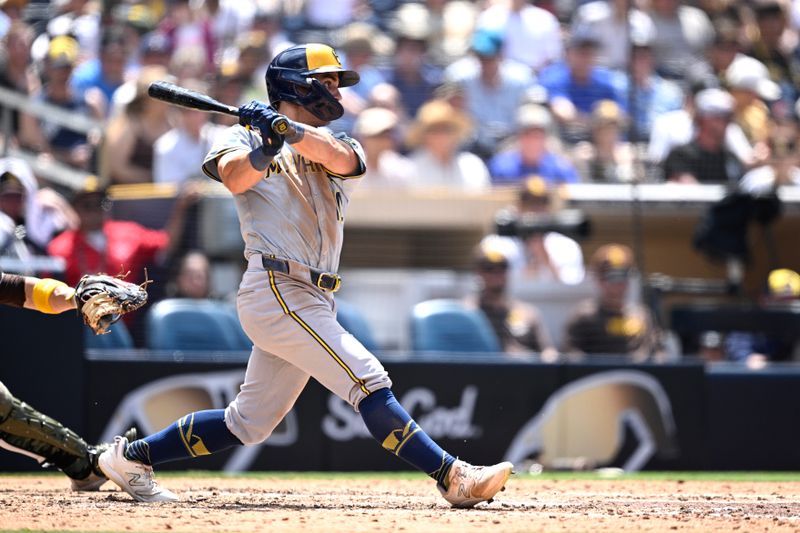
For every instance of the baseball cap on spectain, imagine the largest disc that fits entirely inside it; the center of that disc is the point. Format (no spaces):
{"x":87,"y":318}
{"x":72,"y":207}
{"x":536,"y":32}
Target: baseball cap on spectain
{"x":289,"y":79}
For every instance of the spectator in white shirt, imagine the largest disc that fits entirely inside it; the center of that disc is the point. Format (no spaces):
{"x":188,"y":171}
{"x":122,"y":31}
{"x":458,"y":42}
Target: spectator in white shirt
{"x":611,"y":23}
{"x":178,"y":154}
{"x":532,"y":35}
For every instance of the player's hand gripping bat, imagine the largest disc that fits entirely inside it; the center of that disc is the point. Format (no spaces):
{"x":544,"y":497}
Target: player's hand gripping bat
{"x":180,"y":96}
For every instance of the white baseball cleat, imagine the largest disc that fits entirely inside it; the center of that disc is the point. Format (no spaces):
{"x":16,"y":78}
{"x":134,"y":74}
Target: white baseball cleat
{"x":133,"y":477}
{"x":470,"y":484}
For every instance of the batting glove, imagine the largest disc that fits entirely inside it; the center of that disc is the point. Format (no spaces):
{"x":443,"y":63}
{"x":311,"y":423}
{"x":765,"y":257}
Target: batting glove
{"x":261,"y":116}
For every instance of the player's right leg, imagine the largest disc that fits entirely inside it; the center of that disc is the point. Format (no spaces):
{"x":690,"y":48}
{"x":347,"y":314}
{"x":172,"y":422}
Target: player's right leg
{"x":308,"y":335}
{"x":270,"y":389}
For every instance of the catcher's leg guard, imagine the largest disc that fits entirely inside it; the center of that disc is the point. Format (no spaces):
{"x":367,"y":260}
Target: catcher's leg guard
{"x":25,"y":430}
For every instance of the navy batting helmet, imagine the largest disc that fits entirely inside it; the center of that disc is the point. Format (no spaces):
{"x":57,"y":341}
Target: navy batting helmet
{"x":289,"y":79}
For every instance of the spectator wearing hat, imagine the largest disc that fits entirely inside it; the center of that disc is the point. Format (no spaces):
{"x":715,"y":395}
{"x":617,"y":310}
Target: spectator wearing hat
{"x":96,"y":80}
{"x":68,"y":146}
{"x":437,"y":134}
{"x":549,"y":257}
{"x":676,"y":128}
{"x":101,"y":244}
{"x":18,"y":201}
{"x":576,"y":85}
{"x":682,"y":33}
{"x":414,"y":76}
{"x":377,"y":130}
{"x":755,"y":348}
{"x":493,"y":89}
{"x":42,"y":212}
{"x":15,"y":243}
{"x":609,"y":324}
{"x":772,"y":47}
{"x":518,"y":325}
{"x":532,"y":35}
{"x":178,"y":154}
{"x":127,"y":154}
{"x":614,"y":25}
{"x":607,"y":158}
{"x":706,"y":159}
{"x":750,"y":85}
{"x":653,"y":95}
{"x":531,"y":153}
{"x":154,"y":50}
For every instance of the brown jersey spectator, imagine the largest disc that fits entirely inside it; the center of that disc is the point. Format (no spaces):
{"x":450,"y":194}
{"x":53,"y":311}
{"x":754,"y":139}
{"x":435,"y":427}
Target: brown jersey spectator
{"x":518,"y":325}
{"x":608,"y":324}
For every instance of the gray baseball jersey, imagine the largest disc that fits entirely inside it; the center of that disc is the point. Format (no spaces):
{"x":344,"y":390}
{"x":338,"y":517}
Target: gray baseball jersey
{"x":297,"y":211}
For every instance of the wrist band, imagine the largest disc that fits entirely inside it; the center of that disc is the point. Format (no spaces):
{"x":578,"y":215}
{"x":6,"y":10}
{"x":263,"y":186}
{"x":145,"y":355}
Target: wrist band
{"x":42,"y":290}
{"x":259,"y":159}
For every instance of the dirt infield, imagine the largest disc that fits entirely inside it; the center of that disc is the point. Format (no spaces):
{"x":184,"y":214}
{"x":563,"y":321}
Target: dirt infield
{"x":409,"y":505}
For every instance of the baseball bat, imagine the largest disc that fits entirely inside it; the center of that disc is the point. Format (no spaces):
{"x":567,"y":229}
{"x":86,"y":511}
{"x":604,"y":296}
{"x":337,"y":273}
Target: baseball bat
{"x":181,"y":96}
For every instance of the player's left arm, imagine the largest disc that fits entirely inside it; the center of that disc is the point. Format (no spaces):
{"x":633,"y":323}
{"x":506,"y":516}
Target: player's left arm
{"x":44,"y":295}
{"x":337,"y":153}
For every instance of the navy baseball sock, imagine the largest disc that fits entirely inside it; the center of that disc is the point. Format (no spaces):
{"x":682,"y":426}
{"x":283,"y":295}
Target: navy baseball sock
{"x":199,"y":433}
{"x":397,"y":432}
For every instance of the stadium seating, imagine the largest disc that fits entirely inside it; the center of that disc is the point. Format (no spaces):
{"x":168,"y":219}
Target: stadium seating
{"x":351,"y":319}
{"x":446,"y":325}
{"x":188,"y":324}
{"x":117,"y":338}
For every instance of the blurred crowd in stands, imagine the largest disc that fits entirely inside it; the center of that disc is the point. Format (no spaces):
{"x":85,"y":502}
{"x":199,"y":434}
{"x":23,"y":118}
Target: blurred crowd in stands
{"x":459,"y":94}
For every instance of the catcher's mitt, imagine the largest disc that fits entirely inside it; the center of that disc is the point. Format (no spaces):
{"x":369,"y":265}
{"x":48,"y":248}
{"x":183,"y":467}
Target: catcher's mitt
{"x":102,"y":300}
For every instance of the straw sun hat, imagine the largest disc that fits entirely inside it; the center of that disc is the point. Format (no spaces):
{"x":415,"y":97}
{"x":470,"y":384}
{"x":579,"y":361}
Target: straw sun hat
{"x":438,"y":113}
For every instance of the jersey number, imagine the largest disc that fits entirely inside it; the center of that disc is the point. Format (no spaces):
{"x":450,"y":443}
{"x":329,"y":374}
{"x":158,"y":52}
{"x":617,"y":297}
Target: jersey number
{"x":339,"y":214}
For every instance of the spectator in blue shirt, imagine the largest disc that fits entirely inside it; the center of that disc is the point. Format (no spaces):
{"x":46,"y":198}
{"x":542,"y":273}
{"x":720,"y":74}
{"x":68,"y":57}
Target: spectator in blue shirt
{"x":531,"y":154}
{"x":575,"y":86}
{"x":96,"y":80}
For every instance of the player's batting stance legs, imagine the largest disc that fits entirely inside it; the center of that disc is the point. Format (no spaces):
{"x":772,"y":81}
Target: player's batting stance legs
{"x":291,"y":180}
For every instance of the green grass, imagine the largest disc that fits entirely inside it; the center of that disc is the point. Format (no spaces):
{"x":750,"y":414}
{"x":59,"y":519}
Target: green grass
{"x":546,"y":476}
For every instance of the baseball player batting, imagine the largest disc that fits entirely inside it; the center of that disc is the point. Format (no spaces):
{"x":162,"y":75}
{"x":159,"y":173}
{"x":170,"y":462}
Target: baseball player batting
{"x":25,"y":430}
{"x":291,"y":193}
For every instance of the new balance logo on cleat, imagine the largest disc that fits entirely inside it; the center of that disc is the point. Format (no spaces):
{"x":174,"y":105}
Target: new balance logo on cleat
{"x":135,"y":480}
{"x":133,"y":477}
